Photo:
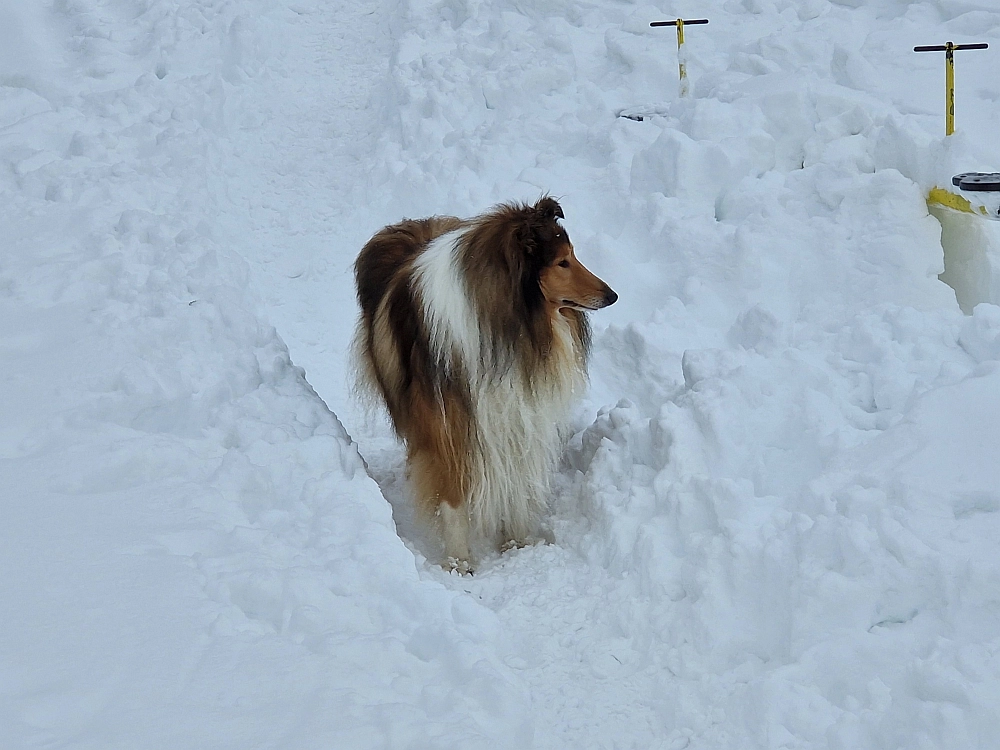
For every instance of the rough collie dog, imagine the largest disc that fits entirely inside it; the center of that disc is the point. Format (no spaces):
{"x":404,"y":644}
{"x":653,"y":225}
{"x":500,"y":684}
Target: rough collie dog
{"x":475,"y":336}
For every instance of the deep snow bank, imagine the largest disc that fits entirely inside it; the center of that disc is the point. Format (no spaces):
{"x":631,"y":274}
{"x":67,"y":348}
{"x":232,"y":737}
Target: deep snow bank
{"x":193,"y":553}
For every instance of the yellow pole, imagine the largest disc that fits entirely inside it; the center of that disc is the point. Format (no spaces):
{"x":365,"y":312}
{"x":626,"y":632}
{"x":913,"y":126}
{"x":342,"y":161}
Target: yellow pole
{"x":681,"y":67}
{"x":949,"y":82}
{"x":681,"y":64}
{"x":949,"y":49}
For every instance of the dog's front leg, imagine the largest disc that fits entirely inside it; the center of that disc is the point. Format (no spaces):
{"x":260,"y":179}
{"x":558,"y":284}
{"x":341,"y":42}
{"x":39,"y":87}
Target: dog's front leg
{"x":455,"y":533}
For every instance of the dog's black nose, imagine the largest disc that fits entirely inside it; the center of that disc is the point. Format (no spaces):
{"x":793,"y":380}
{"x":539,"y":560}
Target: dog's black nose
{"x":610,"y":297}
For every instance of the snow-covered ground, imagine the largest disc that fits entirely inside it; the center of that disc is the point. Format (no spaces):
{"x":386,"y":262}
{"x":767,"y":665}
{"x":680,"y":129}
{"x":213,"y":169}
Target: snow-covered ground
{"x":777,"y":524}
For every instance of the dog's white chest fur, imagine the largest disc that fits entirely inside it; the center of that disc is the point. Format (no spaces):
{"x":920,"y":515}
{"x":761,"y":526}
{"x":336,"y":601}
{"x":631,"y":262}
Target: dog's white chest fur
{"x":516,"y":424}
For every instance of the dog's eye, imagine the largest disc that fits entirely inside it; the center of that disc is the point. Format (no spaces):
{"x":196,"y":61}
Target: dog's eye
{"x":564,"y":264}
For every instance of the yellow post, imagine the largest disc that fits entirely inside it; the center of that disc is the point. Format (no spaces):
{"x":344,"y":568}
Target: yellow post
{"x":949,"y":82}
{"x":681,"y":64}
{"x":681,"y":67}
{"x":949,"y":76}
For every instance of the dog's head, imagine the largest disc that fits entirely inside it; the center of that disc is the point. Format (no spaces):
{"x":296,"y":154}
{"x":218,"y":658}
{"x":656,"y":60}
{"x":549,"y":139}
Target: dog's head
{"x":563,"y":280}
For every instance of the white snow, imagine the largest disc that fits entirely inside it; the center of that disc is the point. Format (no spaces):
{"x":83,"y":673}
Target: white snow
{"x":776,"y":524}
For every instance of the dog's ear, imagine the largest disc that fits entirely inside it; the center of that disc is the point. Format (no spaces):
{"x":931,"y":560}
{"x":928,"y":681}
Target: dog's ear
{"x":536,"y":224}
{"x":548,"y":208}
{"x":526,"y":235}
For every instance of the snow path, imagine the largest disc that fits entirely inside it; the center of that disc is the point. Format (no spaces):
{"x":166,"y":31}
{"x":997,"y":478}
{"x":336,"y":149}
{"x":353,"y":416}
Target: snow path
{"x":303,"y":194}
{"x":553,"y":620}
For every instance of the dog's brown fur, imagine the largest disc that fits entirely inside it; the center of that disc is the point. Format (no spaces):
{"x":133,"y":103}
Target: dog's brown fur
{"x":527,"y":292}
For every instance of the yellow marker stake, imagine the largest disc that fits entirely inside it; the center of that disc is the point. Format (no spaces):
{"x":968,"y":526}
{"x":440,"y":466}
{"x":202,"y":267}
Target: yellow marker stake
{"x":949,"y":77}
{"x":949,"y":85}
{"x":681,"y":64}
{"x":681,"y":67}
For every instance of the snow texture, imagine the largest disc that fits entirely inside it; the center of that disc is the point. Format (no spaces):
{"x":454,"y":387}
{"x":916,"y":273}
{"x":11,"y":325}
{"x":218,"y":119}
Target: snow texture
{"x":775,"y":524}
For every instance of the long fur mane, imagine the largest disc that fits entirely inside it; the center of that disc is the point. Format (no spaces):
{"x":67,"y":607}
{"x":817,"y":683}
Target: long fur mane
{"x":476,"y":372}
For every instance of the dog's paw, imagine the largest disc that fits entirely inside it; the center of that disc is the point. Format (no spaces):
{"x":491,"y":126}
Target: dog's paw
{"x":544,"y":536}
{"x":462,"y":567}
{"x":512,"y":544}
